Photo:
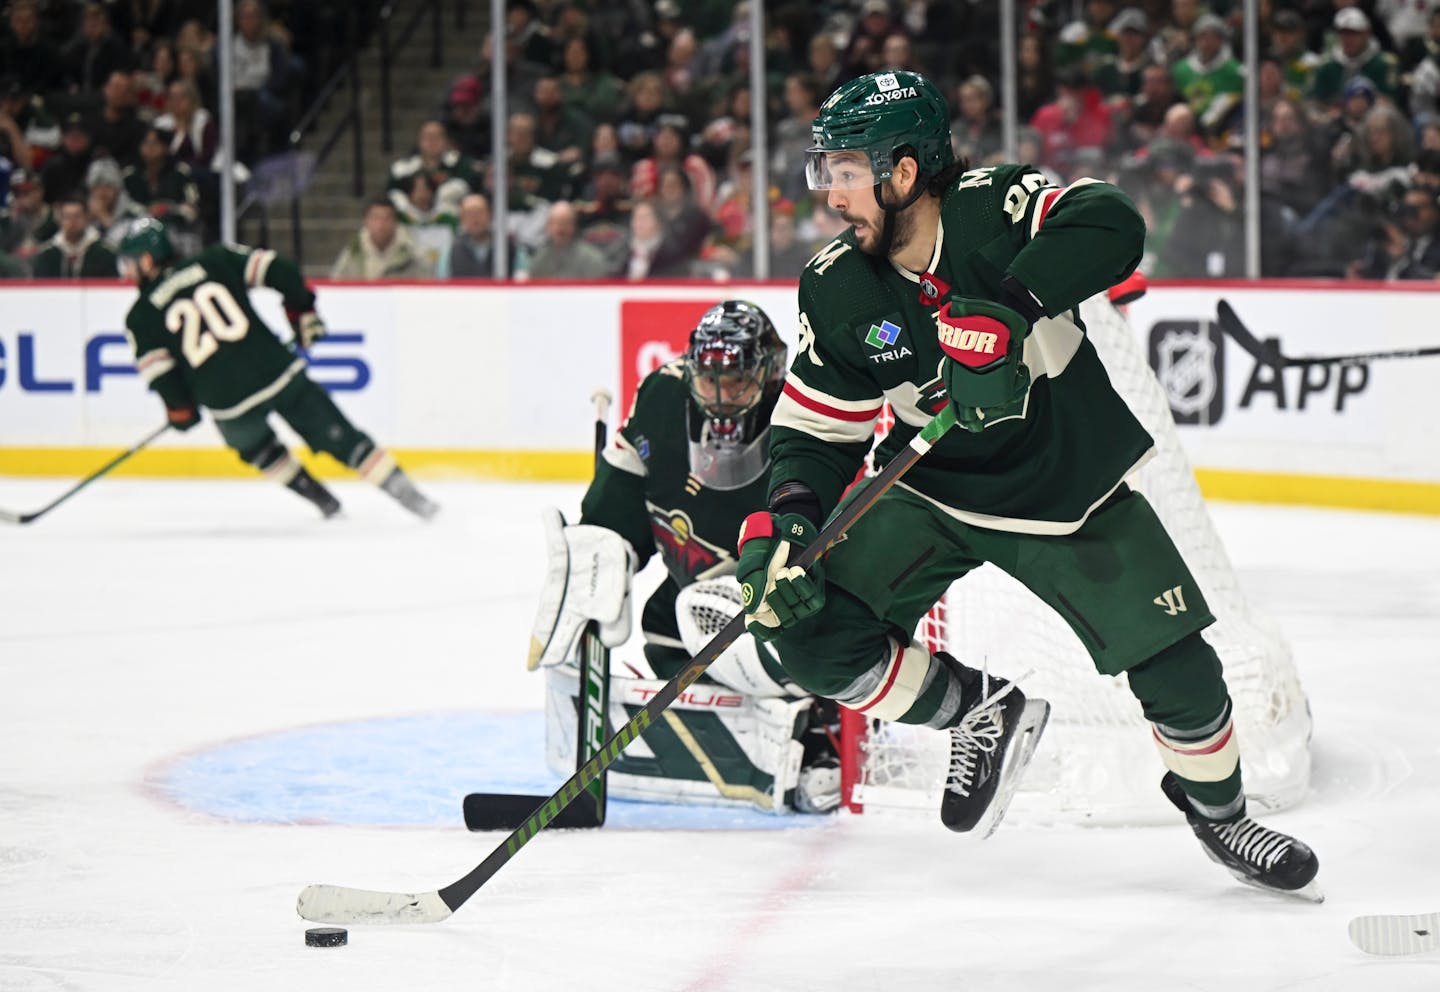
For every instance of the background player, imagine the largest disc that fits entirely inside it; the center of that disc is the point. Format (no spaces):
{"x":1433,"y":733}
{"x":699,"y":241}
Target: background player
{"x":198,"y":342}
{"x":901,"y":307}
{"x":677,"y":480}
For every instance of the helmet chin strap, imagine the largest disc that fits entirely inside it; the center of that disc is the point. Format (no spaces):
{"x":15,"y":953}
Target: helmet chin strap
{"x":890,"y":210}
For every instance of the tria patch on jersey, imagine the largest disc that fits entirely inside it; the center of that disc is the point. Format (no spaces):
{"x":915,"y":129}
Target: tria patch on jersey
{"x":974,"y":341}
{"x":884,"y":337}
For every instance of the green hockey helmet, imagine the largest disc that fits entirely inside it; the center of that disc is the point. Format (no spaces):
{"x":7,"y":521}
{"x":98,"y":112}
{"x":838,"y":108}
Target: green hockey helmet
{"x":877,"y":115}
{"x":148,"y":235}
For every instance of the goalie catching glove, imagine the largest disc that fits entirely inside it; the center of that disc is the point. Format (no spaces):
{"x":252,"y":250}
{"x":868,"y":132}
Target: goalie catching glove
{"x":776,"y":594}
{"x":984,"y":375}
{"x":587,"y":577}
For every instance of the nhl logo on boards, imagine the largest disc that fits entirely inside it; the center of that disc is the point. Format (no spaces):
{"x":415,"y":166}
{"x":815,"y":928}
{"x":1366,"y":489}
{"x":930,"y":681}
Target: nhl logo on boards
{"x":1188,"y":357}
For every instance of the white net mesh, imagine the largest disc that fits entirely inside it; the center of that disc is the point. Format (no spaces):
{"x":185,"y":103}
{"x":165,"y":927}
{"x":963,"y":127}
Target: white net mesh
{"x":1097,"y":762}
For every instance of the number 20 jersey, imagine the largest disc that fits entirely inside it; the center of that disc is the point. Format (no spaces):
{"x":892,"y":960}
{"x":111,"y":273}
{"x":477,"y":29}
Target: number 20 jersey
{"x":196,"y":335}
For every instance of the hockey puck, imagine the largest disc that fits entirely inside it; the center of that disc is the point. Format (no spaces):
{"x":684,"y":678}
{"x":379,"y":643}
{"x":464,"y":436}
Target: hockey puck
{"x":326,"y":937}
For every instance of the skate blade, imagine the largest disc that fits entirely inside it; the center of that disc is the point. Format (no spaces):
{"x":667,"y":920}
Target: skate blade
{"x":1012,"y":769}
{"x":1309,"y":892}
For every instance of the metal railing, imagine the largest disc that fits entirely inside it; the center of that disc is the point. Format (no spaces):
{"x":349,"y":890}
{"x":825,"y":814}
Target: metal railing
{"x":346,"y":78}
{"x":389,"y":49}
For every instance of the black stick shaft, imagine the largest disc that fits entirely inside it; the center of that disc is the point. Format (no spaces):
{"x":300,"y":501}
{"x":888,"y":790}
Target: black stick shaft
{"x":25,"y":518}
{"x":1232,"y":325}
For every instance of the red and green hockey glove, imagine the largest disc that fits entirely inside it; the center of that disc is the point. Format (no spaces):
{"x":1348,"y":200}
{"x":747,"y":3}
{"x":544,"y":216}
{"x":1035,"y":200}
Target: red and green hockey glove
{"x":776,"y":594}
{"x":307,"y":325}
{"x":182,"y":418}
{"x":984,"y":375}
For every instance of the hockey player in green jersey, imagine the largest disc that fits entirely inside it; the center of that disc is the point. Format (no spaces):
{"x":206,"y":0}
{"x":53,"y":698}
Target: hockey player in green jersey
{"x":962,"y":286}
{"x":676,"y":481}
{"x":199,"y":343}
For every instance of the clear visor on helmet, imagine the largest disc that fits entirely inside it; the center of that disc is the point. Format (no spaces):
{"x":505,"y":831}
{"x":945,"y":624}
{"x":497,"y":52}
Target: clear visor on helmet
{"x":721,"y":385}
{"x":852,"y":168}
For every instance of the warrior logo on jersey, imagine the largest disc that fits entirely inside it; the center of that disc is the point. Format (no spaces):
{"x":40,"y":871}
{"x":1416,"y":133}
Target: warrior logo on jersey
{"x":678,"y":542}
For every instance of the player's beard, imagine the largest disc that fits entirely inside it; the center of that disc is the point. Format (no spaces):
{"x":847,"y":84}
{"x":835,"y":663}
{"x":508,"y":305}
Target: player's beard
{"x":903,"y":230}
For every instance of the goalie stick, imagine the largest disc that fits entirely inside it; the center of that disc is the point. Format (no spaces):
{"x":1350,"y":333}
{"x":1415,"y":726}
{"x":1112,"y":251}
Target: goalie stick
{"x":506,"y":811}
{"x":342,"y":905}
{"x":1394,"y":935}
{"x":1269,"y":351}
{"x":25,"y":518}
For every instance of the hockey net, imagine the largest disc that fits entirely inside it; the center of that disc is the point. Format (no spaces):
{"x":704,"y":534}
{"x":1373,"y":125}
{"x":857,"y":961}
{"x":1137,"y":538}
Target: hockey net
{"x":1097,"y":762}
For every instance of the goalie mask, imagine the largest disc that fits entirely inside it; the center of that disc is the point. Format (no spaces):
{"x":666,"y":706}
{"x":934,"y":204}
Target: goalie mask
{"x":733,"y":368}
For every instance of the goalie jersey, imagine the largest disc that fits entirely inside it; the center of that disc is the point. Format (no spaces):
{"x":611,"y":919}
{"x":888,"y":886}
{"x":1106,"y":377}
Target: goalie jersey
{"x":644,"y":491}
{"x":868,"y":335}
{"x":197,"y":338}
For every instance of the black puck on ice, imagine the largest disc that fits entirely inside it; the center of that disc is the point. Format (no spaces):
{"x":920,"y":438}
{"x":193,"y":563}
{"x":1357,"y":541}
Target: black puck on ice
{"x":326,"y":937}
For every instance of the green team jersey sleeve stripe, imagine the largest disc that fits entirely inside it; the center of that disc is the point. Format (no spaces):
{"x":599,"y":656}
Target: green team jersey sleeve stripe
{"x":1070,"y":242}
{"x":262,"y":267}
{"x":153,"y":364}
{"x":826,"y":417}
{"x":622,"y":455}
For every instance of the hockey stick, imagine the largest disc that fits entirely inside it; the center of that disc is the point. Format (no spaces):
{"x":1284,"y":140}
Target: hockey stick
{"x":1393,"y":935}
{"x":506,"y":811}
{"x":25,"y":518}
{"x":1269,"y":351}
{"x":338,"y":904}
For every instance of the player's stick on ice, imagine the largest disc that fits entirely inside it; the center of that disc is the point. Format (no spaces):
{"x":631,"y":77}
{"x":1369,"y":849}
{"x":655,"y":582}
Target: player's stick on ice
{"x":340,"y":905}
{"x":25,"y":518}
{"x":506,"y":811}
{"x":1269,"y":351}
{"x":1393,"y":935}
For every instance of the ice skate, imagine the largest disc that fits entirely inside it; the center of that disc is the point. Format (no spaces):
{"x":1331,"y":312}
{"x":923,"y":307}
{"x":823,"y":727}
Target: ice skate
{"x":1256,"y":855}
{"x":305,"y":484}
{"x":398,"y":485}
{"x":989,"y":751}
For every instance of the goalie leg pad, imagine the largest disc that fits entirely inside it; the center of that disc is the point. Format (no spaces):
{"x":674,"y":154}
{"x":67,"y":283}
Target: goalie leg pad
{"x":712,"y":747}
{"x":587,"y":577}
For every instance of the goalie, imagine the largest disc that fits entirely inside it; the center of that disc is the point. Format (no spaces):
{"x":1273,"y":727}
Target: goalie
{"x":678,"y":479}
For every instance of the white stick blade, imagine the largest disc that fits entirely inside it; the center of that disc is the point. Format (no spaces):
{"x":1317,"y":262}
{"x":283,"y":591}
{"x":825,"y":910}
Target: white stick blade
{"x":337,"y":904}
{"x":1396,"y":934}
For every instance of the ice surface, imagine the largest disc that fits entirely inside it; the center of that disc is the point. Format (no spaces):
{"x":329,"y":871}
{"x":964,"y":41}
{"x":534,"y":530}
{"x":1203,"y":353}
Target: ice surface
{"x":188,"y":668}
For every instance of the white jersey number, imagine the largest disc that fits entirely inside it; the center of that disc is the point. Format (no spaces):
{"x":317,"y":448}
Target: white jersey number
{"x":203,"y":320}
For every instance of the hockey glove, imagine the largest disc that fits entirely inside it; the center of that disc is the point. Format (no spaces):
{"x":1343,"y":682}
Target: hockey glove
{"x":587,"y":577}
{"x":182,"y":418}
{"x":984,"y":375}
{"x":775,"y":593}
{"x":307,"y":325}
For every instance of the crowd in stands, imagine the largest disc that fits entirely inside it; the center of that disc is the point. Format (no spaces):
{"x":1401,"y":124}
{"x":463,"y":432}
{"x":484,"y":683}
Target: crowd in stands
{"x":628,"y":130}
{"x":108,"y":114}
